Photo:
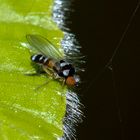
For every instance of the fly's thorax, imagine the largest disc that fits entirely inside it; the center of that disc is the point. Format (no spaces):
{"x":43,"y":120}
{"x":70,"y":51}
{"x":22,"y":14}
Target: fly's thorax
{"x":66,"y":69}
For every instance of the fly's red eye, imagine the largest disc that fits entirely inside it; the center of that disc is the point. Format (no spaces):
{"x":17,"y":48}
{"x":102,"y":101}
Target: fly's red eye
{"x":70,"y":81}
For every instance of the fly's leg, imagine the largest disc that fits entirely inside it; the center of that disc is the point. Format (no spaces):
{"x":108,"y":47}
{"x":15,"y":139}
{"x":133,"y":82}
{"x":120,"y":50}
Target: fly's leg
{"x":57,"y":77}
{"x":52,"y":74}
{"x":40,"y":86}
{"x":49,"y":72}
{"x":33,"y":72}
{"x":63,"y":82}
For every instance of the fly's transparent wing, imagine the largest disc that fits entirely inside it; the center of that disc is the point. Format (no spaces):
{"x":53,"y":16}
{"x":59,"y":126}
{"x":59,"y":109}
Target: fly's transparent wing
{"x":44,"y":46}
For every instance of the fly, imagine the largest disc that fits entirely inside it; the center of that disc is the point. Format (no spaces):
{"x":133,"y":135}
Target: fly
{"x":51,"y":60}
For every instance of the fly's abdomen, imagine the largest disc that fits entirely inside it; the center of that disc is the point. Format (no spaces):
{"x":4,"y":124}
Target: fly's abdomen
{"x":39,"y":58}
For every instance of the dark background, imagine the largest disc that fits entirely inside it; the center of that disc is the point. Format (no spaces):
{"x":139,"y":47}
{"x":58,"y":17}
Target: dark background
{"x":111,"y":97}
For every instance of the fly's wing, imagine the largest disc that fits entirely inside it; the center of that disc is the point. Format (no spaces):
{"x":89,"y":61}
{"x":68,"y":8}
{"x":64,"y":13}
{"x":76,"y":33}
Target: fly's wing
{"x":44,"y":46}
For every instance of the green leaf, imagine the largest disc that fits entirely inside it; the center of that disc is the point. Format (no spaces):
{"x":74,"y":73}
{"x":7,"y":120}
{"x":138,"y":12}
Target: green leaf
{"x":26,"y":111}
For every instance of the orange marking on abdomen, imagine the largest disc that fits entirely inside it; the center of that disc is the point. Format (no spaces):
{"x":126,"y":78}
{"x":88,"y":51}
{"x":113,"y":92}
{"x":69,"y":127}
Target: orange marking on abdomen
{"x":51,"y":63}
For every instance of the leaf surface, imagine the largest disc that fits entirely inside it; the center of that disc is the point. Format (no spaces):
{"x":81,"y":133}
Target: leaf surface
{"x":26,"y":111}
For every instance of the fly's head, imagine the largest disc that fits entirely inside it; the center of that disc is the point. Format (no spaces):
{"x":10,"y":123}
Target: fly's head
{"x":73,"y":81}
